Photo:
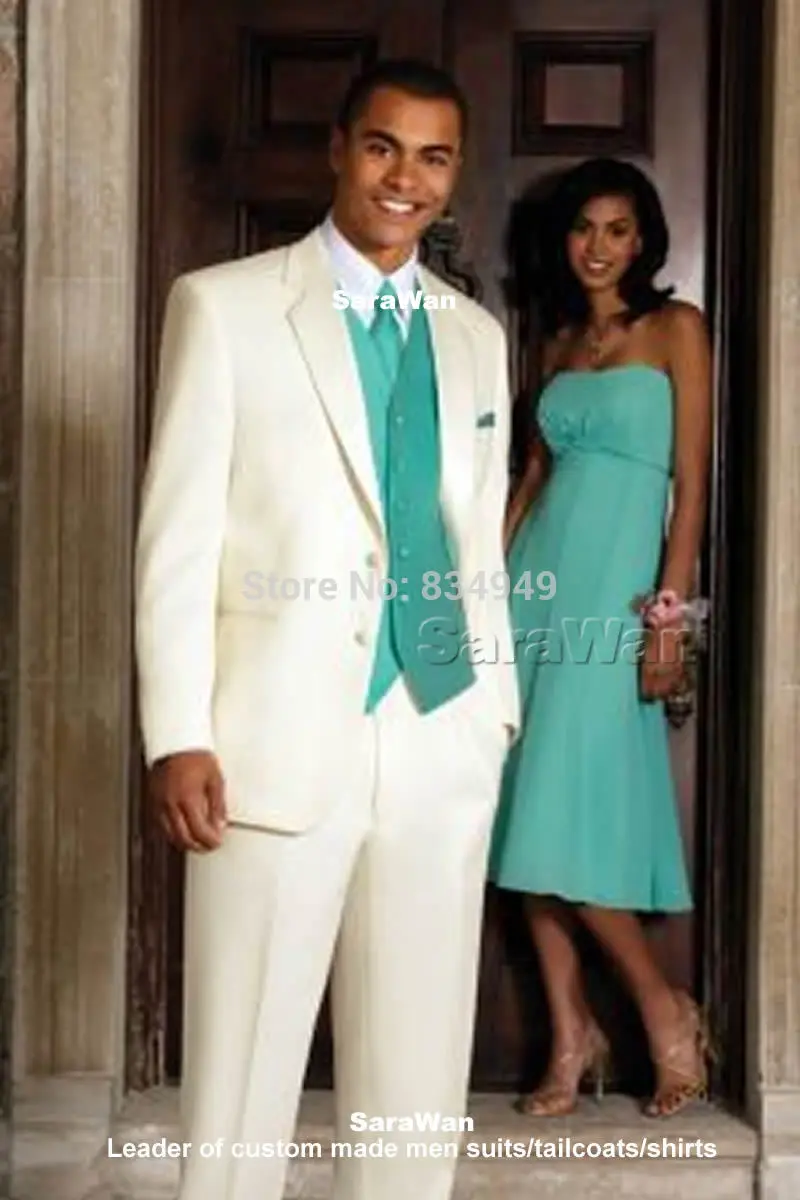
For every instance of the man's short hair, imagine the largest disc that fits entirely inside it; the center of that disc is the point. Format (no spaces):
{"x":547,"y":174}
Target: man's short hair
{"x":414,"y":76}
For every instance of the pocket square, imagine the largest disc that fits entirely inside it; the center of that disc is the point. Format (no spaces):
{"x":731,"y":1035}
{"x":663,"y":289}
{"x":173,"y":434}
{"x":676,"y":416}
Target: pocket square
{"x":485,"y":420}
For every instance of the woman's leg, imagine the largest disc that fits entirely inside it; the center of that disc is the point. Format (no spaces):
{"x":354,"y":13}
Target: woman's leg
{"x":669,"y":1017}
{"x":577,"y":1043}
{"x":549,"y":924}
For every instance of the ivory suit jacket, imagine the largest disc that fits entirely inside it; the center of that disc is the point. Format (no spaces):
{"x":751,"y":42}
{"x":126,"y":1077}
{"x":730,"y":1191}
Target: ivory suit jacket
{"x":261,"y":466}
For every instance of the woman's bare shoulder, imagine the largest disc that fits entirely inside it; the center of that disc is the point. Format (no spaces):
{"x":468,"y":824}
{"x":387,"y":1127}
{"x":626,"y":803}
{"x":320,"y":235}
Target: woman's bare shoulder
{"x":685,"y":330}
{"x":678,"y":329}
{"x":681,"y":317}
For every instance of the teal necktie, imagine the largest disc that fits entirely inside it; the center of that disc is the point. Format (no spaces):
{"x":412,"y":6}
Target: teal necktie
{"x":386,"y":334}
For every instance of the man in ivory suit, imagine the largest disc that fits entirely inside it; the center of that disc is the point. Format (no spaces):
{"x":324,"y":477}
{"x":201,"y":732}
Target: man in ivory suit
{"x":328,"y":752}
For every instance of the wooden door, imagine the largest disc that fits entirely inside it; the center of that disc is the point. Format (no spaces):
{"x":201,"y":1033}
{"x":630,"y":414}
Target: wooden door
{"x":241,"y":96}
{"x":551,"y":83}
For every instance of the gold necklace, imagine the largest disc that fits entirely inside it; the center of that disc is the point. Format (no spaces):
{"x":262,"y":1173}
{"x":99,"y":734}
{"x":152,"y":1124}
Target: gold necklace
{"x":596,"y":338}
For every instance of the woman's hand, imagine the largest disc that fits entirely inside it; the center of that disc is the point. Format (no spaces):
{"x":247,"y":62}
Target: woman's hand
{"x":662,"y":665}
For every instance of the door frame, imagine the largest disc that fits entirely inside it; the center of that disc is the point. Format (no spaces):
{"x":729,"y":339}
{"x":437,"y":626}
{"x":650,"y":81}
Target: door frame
{"x":728,"y":700}
{"x":725,"y":701}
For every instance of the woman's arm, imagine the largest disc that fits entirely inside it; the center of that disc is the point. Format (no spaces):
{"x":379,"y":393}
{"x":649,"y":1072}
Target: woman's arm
{"x":528,"y":488}
{"x":689,"y":360}
{"x":537,"y":466}
{"x":690,"y":368}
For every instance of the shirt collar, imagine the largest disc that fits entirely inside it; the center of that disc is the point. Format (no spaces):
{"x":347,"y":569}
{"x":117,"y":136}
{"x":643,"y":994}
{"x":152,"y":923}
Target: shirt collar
{"x":360,"y":277}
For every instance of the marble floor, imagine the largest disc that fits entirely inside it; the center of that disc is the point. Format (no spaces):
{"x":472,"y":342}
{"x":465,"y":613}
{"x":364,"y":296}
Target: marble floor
{"x":62,"y":1126}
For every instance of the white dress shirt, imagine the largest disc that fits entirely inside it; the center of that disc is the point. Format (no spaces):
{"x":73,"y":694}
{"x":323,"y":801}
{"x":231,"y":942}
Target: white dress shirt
{"x":357,"y":276}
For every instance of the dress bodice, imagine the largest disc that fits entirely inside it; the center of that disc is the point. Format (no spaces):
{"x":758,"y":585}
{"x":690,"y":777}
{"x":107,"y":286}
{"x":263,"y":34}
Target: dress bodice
{"x":624,"y":411}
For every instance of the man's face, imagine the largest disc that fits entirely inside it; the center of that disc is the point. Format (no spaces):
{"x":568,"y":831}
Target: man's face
{"x":396,"y":169}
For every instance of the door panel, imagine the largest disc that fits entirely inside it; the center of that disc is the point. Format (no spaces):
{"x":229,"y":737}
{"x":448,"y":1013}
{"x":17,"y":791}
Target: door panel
{"x":239,"y":120}
{"x":241,"y":96}
{"x":249,"y":88}
{"x":552,"y":82}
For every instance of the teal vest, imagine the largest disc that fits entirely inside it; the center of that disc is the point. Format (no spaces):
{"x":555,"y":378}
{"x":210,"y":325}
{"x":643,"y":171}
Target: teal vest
{"x":404,"y":430}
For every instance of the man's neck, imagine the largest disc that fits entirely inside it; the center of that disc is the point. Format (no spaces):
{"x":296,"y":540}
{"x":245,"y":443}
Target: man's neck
{"x":387,"y":260}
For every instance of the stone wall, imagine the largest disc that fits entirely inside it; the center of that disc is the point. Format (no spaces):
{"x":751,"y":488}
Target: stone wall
{"x":77,"y":473}
{"x":774,"y":967}
{"x":10,"y":423}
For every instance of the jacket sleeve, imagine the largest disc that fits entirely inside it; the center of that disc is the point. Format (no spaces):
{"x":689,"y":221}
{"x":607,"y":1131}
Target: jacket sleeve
{"x":500,"y":665}
{"x":181,"y":528}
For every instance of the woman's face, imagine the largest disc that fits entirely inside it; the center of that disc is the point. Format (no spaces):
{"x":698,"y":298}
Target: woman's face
{"x":603,"y":242}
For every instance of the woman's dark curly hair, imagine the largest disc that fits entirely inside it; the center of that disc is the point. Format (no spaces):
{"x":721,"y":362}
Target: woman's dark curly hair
{"x":562,"y":299}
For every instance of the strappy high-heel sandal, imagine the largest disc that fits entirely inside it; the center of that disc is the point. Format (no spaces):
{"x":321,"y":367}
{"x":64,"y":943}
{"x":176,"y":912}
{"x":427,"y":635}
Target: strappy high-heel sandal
{"x":682,"y":1086}
{"x":558,"y":1095}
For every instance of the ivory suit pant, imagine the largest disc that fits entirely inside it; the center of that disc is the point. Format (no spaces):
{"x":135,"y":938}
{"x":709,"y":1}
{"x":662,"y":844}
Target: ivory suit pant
{"x":388,"y":892}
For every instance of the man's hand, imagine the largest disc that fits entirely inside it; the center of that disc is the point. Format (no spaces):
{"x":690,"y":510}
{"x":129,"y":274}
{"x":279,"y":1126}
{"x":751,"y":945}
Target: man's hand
{"x":187,"y":792}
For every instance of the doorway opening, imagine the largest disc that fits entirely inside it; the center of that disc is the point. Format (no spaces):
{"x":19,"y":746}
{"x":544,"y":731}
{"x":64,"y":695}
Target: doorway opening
{"x":234,"y":138}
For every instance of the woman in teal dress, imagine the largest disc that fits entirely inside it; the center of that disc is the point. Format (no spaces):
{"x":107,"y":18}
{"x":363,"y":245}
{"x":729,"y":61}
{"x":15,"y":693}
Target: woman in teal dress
{"x":587,"y":826}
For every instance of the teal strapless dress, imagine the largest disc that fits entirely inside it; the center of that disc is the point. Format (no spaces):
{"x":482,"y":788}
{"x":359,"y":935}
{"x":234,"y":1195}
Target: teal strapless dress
{"x":587,"y":810}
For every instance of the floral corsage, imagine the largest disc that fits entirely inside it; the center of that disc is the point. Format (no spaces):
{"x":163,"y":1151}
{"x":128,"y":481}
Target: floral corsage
{"x":664,"y":610}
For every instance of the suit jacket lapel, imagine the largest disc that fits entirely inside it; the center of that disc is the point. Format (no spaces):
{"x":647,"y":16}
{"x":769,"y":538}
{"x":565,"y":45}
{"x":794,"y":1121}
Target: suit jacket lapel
{"x":325,"y":345}
{"x":455,"y":377}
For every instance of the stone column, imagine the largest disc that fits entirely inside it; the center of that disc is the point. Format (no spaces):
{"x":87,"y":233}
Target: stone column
{"x":77,"y":494}
{"x":774,"y":968}
{"x":11,"y":176}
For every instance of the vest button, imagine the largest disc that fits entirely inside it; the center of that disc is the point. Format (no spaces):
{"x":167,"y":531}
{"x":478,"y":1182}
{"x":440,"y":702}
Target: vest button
{"x":361,"y":637}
